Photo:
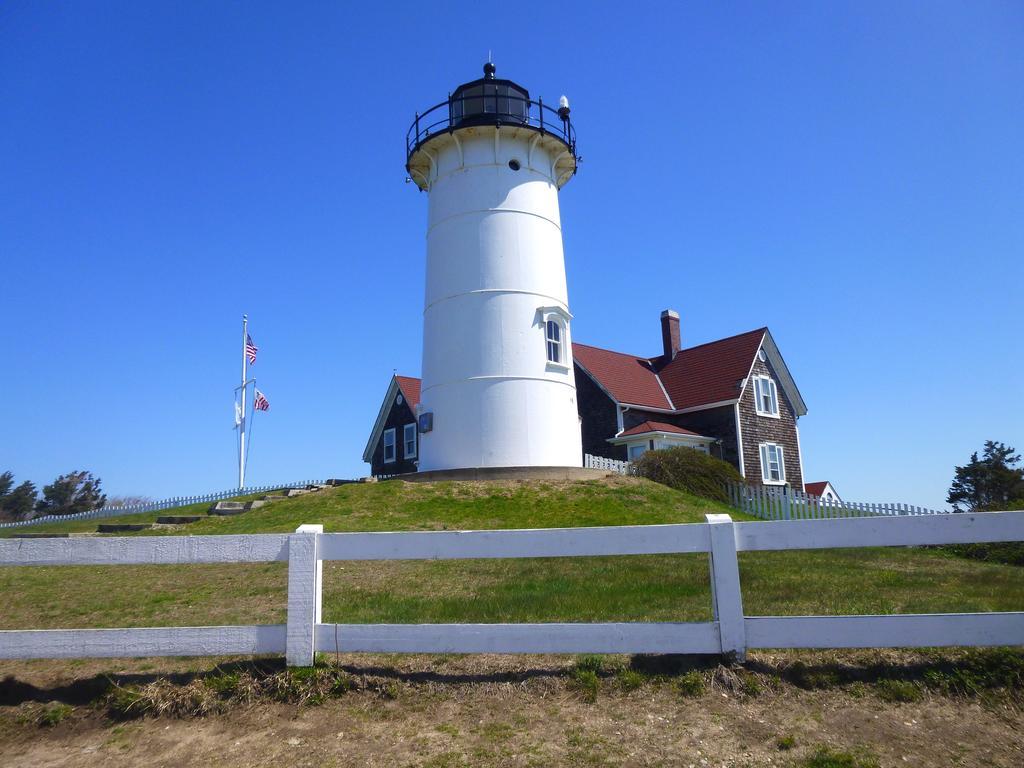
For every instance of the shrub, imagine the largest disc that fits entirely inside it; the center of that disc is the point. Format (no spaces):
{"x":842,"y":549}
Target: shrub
{"x":630,"y":679}
{"x":901,"y":691}
{"x":224,"y":683}
{"x":126,"y":703}
{"x":587,"y":683}
{"x":592,"y":662}
{"x":689,"y":470}
{"x":786,"y":743}
{"x":750,"y":685}
{"x":53,"y":714}
{"x":691,"y":684}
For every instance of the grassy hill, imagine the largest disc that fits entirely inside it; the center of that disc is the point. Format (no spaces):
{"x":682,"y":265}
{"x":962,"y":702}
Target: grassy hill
{"x":656,"y":587}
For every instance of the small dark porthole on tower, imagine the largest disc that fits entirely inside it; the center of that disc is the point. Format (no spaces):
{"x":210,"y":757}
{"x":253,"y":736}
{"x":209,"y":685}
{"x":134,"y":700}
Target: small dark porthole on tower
{"x":514,"y":165}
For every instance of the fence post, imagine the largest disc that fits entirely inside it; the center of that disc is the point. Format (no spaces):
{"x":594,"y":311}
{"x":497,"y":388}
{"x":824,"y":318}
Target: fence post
{"x":726,"y":597}
{"x":305,"y":592}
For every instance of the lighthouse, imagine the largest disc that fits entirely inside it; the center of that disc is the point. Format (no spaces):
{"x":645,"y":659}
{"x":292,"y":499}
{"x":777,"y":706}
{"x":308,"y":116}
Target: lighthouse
{"x":498,"y":388}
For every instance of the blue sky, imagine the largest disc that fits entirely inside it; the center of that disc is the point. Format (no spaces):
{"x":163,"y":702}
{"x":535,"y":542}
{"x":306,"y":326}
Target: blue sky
{"x":849,"y":174}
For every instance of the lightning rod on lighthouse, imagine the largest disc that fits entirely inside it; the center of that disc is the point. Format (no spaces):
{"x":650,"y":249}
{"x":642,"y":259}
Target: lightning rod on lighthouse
{"x":498,"y":384}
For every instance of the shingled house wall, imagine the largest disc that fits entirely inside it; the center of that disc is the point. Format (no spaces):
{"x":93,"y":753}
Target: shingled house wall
{"x":600,"y":420}
{"x":765,"y":429}
{"x":398,"y":417}
{"x":715,"y":422}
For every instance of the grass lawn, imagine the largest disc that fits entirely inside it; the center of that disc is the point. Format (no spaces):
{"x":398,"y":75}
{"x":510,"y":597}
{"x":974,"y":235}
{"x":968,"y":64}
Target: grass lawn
{"x":655,"y":587}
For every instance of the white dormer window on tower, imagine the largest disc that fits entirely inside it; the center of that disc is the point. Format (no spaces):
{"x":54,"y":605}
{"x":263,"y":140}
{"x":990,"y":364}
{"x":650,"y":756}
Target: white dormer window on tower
{"x":553,"y":334}
{"x":554,"y":322}
{"x":766,"y":400}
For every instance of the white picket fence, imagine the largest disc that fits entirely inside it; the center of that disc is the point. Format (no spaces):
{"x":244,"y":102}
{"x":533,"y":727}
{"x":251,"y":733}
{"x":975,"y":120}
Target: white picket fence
{"x":770,"y":503}
{"x":611,"y":465}
{"x":730,"y":631}
{"x":154,"y":506}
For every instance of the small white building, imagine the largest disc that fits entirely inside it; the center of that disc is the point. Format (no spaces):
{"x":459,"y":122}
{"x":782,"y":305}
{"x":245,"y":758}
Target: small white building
{"x":822,"y":489}
{"x":654,"y":435}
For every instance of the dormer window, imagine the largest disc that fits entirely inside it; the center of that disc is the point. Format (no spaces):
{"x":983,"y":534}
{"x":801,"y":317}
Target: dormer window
{"x":766,"y":400}
{"x":553,"y":322}
{"x":553,"y":334}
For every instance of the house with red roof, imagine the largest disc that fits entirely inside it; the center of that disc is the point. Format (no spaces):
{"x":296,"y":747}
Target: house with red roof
{"x":734,"y":398}
{"x":823,"y":490}
{"x":393,"y":446}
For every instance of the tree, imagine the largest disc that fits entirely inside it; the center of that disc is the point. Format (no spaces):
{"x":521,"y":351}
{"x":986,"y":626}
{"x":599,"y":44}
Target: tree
{"x":990,"y":483}
{"x":71,"y":493}
{"x":16,"y":504}
{"x":128,"y":501}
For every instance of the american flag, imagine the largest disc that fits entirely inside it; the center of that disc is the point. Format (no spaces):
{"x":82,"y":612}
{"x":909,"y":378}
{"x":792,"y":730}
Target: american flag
{"x":260,"y":403}
{"x":250,"y":349}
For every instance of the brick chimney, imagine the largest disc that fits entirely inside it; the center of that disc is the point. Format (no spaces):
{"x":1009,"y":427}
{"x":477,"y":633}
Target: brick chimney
{"x":670,"y":333}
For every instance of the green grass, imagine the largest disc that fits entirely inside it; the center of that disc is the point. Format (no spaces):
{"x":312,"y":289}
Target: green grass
{"x":654,"y":588}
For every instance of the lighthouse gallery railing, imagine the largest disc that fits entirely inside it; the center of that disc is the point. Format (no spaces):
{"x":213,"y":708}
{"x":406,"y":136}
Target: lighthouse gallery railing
{"x":489,"y":109}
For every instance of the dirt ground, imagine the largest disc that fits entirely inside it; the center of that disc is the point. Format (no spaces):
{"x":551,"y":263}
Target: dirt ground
{"x":500,"y":711}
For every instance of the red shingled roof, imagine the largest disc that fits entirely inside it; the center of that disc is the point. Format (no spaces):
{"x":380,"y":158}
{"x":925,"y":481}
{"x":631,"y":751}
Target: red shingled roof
{"x":629,"y":379}
{"x":815,"y":489}
{"x":711,"y":372}
{"x":657,"y":426}
{"x":410,"y":390}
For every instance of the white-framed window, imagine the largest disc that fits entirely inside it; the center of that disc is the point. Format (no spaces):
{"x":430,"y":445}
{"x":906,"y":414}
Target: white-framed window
{"x":409,"y":441}
{"x":636,"y":451}
{"x":773,"y":464}
{"x":554,"y":337}
{"x":766,"y":399}
{"x":554,"y":325}
{"x":389,"y":445}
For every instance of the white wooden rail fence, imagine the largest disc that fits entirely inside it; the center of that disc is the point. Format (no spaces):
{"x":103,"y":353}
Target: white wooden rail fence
{"x":154,"y":506}
{"x":730,"y":631}
{"x":771,"y":503}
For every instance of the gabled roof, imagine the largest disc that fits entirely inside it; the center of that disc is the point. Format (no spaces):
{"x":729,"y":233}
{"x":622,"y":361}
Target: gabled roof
{"x":820,"y":489}
{"x":410,"y":388}
{"x":657,"y":426}
{"x":698,"y":377}
{"x":712,"y":372}
{"x":626,"y":378}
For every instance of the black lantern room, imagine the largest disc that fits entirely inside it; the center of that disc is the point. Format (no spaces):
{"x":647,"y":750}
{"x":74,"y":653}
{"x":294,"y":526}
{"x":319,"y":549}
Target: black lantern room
{"x":489,"y":101}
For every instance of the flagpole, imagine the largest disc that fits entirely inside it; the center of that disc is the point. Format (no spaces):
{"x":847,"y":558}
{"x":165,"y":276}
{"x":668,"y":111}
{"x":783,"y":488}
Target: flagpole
{"x":241,"y":433}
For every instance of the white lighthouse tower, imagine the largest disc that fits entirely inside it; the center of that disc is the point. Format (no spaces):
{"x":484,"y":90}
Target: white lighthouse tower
{"x":498,"y":387}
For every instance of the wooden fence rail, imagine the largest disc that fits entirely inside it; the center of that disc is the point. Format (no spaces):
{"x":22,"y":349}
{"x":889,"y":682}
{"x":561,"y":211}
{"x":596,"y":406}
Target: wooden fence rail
{"x":155,"y":506}
{"x":778,"y":503}
{"x":730,"y":631}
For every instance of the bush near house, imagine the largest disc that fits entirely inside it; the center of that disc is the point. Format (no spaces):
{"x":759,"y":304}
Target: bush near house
{"x":688,"y":470}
